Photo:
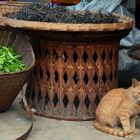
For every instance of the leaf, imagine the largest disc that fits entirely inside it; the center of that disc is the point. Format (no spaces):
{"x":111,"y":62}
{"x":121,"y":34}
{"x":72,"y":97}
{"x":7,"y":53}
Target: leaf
{"x":10,"y":61}
{"x":10,"y":54}
{"x":1,"y":60}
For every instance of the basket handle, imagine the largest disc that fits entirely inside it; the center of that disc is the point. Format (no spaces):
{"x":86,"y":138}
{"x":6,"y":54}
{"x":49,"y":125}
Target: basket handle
{"x":29,"y":112}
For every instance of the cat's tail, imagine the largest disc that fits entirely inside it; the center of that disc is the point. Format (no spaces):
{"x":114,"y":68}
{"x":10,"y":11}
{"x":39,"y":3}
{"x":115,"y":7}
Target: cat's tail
{"x":109,"y":130}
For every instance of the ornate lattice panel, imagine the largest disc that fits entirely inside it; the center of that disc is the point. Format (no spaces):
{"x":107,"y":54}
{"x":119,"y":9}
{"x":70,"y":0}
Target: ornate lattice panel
{"x":71,"y":78}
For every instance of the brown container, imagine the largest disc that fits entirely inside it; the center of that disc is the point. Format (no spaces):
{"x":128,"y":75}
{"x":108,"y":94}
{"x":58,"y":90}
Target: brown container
{"x":73,"y":71}
{"x":11,"y":83}
{"x":76,"y":64}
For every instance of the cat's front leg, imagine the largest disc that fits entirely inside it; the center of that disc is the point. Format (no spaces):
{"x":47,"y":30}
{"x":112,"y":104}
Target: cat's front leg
{"x":133,"y":124}
{"x":124,"y":119}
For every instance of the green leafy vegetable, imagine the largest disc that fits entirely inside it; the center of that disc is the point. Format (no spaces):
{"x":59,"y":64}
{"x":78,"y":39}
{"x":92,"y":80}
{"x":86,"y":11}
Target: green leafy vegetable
{"x":10,"y":61}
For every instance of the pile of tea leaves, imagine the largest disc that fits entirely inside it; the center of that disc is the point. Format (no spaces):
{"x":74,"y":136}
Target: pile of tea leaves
{"x":59,"y":14}
{"x":10,"y":61}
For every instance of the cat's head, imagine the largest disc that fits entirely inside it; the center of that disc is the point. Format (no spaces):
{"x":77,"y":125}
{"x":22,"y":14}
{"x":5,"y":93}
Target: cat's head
{"x":135,"y":84}
{"x":136,"y":89}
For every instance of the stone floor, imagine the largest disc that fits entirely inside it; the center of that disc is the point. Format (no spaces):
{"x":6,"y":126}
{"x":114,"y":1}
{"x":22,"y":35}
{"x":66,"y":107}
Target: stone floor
{"x":14,"y":123}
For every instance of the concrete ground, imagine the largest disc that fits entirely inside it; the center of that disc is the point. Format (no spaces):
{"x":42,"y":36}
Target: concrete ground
{"x":13,"y":123}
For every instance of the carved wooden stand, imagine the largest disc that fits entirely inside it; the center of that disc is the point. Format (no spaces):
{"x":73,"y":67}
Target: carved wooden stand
{"x":73,"y":71}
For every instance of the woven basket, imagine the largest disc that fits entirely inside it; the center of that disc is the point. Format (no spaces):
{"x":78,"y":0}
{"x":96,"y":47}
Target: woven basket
{"x":76,"y":64}
{"x":11,"y":83}
{"x":10,"y":7}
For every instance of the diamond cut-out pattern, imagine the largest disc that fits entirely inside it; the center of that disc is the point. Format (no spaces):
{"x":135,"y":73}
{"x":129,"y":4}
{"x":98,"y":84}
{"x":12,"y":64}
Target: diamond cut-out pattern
{"x":65,"y":100}
{"x":56,"y":76}
{"x":76,"y":78}
{"x":55,"y":100}
{"x":41,"y":72}
{"x":85,"y":57}
{"x":110,"y":76}
{"x":55,"y":55}
{"x":104,"y":78}
{"x":76,"y":102}
{"x":65,"y":56}
{"x":47,"y":75}
{"x":86,"y":79}
{"x":97,"y":100}
{"x":75,"y":57}
{"x":70,"y":68}
{"x":87,"y":102}
{"x":46,"y":98}
{"x":103,"y":55}
{"x":95,"y":57}
{"x":95,"y":78}
{"x":39,"y":96}
{"x":65,"y":77}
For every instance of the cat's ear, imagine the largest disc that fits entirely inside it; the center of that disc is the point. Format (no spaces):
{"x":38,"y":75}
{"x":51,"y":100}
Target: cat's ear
{"x":135,"y":82}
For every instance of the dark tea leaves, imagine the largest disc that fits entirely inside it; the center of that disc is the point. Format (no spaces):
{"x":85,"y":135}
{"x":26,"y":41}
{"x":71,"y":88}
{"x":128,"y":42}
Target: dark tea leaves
{"x":59,"y":14}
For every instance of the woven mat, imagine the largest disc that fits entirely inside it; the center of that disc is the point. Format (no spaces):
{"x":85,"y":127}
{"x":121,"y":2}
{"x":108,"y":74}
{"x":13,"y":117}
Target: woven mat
{"x":125,"y":22}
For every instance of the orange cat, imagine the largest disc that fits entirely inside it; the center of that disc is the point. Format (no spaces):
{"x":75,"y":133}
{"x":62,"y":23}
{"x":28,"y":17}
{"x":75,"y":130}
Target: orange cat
{"x":116,"y":113}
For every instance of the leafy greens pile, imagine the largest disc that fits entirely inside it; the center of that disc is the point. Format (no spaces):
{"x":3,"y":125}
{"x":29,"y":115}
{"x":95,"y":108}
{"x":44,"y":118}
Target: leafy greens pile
{"x":10,"y":61}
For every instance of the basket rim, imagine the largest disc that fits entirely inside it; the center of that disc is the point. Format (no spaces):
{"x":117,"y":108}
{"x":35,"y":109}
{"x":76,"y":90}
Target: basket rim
{"x":33,"y":56}
{"x":125,"y":23}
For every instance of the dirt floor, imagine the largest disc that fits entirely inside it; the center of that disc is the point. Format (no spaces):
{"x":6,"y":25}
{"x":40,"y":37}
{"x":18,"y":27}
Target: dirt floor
{"x":14,"y":122}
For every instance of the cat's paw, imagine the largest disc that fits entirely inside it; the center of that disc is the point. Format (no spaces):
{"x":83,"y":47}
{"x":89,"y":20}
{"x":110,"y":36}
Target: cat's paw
{"x":128,"y":132}
{"x":130,"y":137}
{"x":136,"y":131}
